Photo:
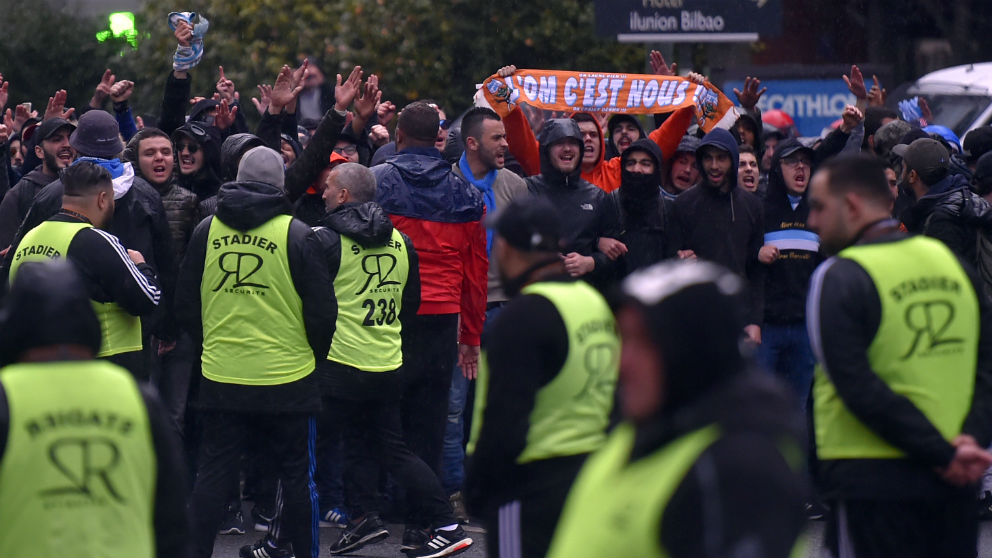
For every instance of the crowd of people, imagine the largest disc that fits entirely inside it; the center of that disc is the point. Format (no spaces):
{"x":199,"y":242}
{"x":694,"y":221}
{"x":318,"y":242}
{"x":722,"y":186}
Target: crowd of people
{"x":595,"y":338}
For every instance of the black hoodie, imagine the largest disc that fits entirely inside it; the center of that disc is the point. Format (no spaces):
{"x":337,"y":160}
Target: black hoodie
{"x":16,"y":203}
{"x":787,"y":278}
{"x":707,"y":381}
{"x":368,"y":225}
{"x":725,"y":227}
{"x":245,"y":206}
{"x":587,"y":212}
{"x":647,"y":221}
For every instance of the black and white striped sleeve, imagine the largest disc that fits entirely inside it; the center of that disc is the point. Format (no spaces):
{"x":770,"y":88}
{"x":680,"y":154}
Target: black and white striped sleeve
{"x":111,"y":275}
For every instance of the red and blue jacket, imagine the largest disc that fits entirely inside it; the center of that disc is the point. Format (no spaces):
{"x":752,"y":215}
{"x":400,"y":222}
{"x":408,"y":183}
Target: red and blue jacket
{"x":442,"y":214}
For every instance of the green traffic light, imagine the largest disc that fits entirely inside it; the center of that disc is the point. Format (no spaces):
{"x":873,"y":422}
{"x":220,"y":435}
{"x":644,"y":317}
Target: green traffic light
{"x":121,"y":25}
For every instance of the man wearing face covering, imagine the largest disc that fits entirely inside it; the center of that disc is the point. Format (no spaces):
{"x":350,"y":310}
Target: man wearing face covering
{"x":647,"y":222}
{"x":545,"y":387}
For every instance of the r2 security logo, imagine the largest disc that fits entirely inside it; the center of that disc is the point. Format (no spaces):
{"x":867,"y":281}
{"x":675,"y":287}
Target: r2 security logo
{"x":240,"y":266}
{"x":86,"y":464}
{"x":929,"y":321}
{"x":378,"y":267}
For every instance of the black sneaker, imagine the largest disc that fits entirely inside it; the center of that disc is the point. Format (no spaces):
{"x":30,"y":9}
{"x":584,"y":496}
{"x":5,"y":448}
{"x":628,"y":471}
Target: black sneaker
{"x":234,"y":522}
{"x":367,"y":530}
{"x":442,"y":543}
{"x":263,"y":548}
{"x":414,"y":537}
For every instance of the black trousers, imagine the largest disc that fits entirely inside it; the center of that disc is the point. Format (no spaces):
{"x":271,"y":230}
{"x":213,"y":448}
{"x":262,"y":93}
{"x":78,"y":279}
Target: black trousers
{"x":904,"y":528}
{"x":174,"y":379}
{"x":289,"y":439}
{"x":524,"y":526}
{"x":373,"y":438}
{"x":433,"y":341}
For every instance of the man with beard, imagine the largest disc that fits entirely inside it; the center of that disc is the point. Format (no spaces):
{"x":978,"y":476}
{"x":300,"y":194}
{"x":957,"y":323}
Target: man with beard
{"x":546,"y":384}
{"x":722,"y":223}
{"x":51,"y":145}
{"x":587,"y":213}
{"x":482,"y":165}
{"x":901,"y":394}
{"x":790,"y":254}
{"x":139,"y":216}
{"x":122,"y":286}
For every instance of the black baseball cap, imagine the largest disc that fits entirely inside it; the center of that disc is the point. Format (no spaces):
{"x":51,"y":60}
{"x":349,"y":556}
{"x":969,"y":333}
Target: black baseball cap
{"x":927,"y":157}
{"x":530,"y":224}
{"x":790,"y":146}
{"x":48,"y":128}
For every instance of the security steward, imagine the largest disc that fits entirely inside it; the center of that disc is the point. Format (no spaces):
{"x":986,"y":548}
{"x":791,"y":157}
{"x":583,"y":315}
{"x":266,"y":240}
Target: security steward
{"x":122,"y":286}
{"x":89,"y":465}
{"x":901,"y":394}
{"x":546,"y":385}
{"x":377,"y":282}
{"x":254,"y":290}
{"x":707,"y":459}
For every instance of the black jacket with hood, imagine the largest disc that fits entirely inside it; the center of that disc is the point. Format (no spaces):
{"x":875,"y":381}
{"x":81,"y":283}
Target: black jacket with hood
{"x":725,"y":227}
{"x":587,"y":212}
{"x":952,"y":213}
{"x":647,"y":220}
{"x":757,"y":461}
{"x":245,"y":206}
{"x":368,"y":225}
{"x":16,"y":203}
{"x":179,"y":203}
{"x":787,"y":278}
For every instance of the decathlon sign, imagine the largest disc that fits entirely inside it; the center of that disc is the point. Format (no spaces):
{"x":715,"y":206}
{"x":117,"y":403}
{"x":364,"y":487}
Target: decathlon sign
{"x":633,"y":21}
{"x":812,"y":103}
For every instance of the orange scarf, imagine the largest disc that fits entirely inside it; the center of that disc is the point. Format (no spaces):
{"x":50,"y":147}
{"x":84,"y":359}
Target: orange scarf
{"x":611,"y":93}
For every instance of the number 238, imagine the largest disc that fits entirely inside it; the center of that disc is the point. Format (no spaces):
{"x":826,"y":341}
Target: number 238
{"x":387,"y":312}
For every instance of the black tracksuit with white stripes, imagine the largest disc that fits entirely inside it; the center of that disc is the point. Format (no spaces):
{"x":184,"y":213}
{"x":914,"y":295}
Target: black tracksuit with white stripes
{"x":111,"y":276}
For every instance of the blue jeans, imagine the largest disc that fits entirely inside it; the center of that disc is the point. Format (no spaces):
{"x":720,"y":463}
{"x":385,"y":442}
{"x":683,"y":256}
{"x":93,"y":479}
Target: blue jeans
{"x":785,"y":351}
{"x":453,"y":453}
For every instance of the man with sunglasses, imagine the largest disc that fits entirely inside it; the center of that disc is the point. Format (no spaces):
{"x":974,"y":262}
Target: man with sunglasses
{"x":198,"y":155}
{"x":790,"y":255}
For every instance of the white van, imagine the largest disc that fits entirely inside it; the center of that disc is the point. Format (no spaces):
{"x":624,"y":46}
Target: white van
{"x":960,"y":97}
